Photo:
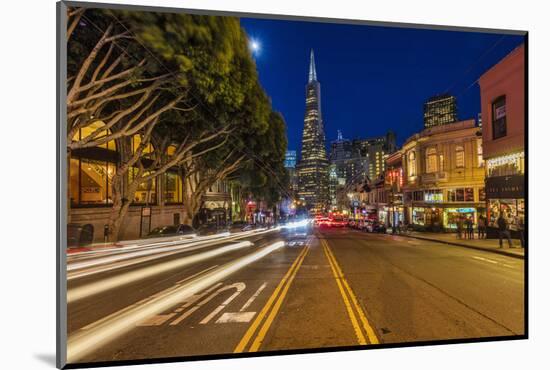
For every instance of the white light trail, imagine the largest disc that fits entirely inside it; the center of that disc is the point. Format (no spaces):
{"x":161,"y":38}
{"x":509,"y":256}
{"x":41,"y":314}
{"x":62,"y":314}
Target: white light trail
{"x":86,"y":341}
{"x":125,"y":258}
{"x":102,"y":285}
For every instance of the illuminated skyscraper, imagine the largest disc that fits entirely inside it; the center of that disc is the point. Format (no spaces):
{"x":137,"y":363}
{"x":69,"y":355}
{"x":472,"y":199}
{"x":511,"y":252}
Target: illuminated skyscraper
{"x":313,"y":166}
{"x":440,"y":110}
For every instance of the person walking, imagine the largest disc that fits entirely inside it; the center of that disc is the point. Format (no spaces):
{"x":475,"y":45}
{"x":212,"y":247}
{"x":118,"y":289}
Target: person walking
{"x":470,"y":227}
{"x":503,"y":231}
{"x":481,"y":227}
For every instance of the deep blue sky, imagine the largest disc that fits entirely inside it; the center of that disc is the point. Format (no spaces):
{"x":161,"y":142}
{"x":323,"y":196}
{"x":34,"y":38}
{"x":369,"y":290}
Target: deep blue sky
{"x":372,"y":78}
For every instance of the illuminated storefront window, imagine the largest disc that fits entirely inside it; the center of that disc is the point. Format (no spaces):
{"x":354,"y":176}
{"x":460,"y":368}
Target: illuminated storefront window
{"x":91,"y":171}
{"x":418,"y":216}
{"x":513,"y":210}
{"x":451,"y":216}
{"x":506,"y":165}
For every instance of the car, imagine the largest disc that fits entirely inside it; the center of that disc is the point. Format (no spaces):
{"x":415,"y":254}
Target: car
{"x":323,"y":222}
{"x":374,"y":226}
{"x":337,"y":222}
{"x":172,"y":230}
{"x":297,"y":232}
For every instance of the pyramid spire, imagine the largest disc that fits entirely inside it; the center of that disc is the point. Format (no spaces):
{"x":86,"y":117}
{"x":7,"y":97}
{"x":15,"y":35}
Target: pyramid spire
{"x":312,"y":72}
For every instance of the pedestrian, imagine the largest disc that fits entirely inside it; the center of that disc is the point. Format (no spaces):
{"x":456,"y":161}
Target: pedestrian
{"x":481,"y":225}
{"x":521,"y":230}
{"x":470,"y":227}
{"x":459,"y":227}
{"x":503,"y":231}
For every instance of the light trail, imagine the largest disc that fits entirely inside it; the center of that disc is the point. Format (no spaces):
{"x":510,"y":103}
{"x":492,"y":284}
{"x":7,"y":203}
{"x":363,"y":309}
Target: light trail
{"x":116,"y":260}
{"x":102,"y":285}
{"x":86,"y":341}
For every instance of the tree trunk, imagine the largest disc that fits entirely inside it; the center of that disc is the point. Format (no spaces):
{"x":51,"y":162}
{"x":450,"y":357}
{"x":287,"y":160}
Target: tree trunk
{"x":120,"y":205}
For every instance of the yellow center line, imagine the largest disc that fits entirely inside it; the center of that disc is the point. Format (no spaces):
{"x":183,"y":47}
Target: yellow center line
{"x":252,"y":329}
{"x":342,"y":282}
{"x":267,"y":324}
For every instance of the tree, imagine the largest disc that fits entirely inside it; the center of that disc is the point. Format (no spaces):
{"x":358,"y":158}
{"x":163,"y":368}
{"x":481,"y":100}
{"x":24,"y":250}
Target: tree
{"x":168,"y":78}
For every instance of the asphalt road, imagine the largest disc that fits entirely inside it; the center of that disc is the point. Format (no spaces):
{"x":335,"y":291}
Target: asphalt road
{"x":335,"y":287}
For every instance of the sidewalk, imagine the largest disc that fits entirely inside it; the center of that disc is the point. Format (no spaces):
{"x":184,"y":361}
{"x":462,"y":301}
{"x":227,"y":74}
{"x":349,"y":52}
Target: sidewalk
{"x":488,"y":245}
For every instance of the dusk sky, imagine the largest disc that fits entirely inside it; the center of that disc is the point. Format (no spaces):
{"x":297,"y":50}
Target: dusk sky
{"x":372,"y":78}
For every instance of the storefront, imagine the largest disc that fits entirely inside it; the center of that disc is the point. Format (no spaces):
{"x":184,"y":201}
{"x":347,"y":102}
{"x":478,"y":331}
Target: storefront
{"x":451,"y":216}
{"x":444,"y":217}
{"x":505,"y":195}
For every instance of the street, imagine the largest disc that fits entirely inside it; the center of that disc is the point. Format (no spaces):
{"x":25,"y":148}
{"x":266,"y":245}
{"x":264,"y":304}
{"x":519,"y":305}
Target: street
{"x":251,"y":291}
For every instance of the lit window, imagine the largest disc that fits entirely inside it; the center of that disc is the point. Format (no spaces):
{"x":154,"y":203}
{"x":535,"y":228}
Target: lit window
{"x":146,"y":191}
{"x":431,"y":160}
{"x":499,"y":117}
{"x":412,"y":164}
{"x":459,"y":156}
{"x":480,"y":161}
{"x":86,"y":131}
{"x":136,"y":141}
{"x":172,"y":188}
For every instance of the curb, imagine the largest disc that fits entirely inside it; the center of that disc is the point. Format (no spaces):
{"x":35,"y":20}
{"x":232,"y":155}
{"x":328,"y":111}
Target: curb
{"x":502,"y":252}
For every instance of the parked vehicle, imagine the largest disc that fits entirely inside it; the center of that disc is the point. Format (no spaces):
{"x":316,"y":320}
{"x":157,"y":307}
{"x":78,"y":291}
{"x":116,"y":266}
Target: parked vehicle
{"x":172,"y":230}
{"x":375,"y":227}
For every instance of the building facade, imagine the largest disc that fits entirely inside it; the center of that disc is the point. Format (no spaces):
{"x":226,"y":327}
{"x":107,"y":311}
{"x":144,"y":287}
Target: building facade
{"x":313,"y":166}
{"x":440,"y":110}
{"x":502,"y":90}
{"x":156,"y":202}
{"x":443,"y":181}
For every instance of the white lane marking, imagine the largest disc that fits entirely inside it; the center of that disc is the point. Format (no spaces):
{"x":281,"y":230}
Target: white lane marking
{"x":492,"y":261}
{"x":254,"y":296}
{"x":81,"y":343}
{"x":240,"y":287}
{"x":102,"y":285}
{"x":485,"y":259}
{"x":165,"y":291}
{"x":229,"y":317}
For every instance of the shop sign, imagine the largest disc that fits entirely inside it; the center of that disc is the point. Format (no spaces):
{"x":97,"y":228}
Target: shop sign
{"x":504,"y":187}
{"x":461,"y":210}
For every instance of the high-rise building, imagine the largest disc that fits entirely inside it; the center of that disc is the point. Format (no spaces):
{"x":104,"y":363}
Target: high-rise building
{"x":440,"y":110}
{"x":346,"y":167}
{"x":375,"y":151}
{"x":290,"y":165}
{"x":290,"y":159}
{"x":313,"y":166}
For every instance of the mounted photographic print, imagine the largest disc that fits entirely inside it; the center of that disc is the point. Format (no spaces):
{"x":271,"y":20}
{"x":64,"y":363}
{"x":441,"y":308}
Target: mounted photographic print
{"x":235,"y":185}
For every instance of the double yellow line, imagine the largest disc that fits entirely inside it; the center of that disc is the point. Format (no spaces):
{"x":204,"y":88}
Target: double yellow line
{"x":355,"y":312}
{"x":274,"y":304}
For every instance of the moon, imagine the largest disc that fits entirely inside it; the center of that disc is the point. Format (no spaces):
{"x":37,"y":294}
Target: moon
{"x":255,"y":46}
